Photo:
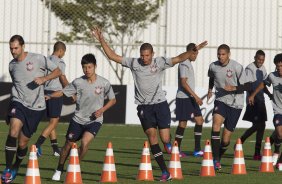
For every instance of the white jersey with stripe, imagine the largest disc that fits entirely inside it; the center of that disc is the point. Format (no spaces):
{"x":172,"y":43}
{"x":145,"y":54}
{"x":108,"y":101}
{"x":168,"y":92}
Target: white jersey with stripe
{"x":90,"y":97}
{"x":276,"y":81}
{"x":23,"y":73}
{"x":55,"y":84}
{"x":256,"y":76}
{"x":148,"y":79}
{"x":231,"y":74}
{"x":185,"y":70}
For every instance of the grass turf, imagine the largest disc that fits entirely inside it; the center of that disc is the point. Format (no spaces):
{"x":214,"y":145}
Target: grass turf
{"x":128,"y":144}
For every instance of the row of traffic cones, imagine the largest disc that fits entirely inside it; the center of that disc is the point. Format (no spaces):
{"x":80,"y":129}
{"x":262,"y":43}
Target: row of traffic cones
{"x":73,"y":175}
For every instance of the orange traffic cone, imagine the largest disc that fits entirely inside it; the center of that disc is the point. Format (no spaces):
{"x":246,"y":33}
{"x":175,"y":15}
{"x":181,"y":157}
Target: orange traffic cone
{"x":266,"y":160}
{"x":239,"y":166}
{"x":174,"y":164}
{"x":207,"y":168}
{"x":145,"y":167}
{"x":32,"y":173}
{"x":73,"y":175}
{"x":109,"y":168}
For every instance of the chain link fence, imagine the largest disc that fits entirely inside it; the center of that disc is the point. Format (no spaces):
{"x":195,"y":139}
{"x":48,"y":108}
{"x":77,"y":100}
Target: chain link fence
{"x":169,"y":25}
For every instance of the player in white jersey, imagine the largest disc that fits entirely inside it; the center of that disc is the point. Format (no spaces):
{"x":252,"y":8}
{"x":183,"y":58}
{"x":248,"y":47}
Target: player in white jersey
{"x":91,"y":91}
{"x":54,"y":106}
{"x":28,"y":72}
{"x":187,"y":104}
{"x":228,"y":104}
{"x":274,"y":79}
{"x":256,"y":113}
{"x":153,"y":110}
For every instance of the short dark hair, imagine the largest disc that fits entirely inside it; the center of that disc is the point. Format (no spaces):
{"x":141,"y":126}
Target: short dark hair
{"x":87,"y":59}
{"x":59,"y":45}
{"x":224,"y":47}
{"x":260,"y":53}
{"x":146,"y":46}
{"x":190,"y":46}
{"x":18,"y":38}
{"x":278,"y":58}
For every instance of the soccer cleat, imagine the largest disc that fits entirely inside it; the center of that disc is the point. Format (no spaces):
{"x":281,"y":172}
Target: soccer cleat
{"x":257,"y":157}
{"x":275,"y":158}
{"x":39,"y":151}
{"x":182,"y":154}
{"x":279,"y":166}
{"x":56,"y":152}
{"x":165,"y":176}
{"x":57,"y":175}
{"x":8,"y":175}
{"x":217,"y":165}
{"x":168,"y":147}
{"x":198,"y":153}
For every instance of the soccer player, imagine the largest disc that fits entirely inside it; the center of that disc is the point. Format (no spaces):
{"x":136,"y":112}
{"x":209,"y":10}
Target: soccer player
{"x":28,"y":73}
{"x":274,"y":78}
{"x":54,"y":106}
{"x":256,"y":113}
{"x":187,"y":103}
{"x":90,"y":90}
{"x":153,"y":109}
{"x":228,"y":104}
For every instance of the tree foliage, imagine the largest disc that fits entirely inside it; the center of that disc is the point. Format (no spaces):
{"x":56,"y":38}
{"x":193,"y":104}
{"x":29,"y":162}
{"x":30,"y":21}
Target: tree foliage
{"x":120,"y":19}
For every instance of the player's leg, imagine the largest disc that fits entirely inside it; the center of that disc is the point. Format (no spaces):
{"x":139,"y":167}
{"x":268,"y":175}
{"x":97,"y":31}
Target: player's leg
{"x":259,"y":136}
{"x":250,"y":115}
{"x":278,"y":129}
{"x":89,"y":134}
{"x":215,"y":136}
{"x":199,"y":120}
{"x":54,"y":143}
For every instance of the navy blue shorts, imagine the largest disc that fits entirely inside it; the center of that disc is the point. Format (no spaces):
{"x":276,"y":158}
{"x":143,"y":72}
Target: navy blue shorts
{"x":29,"y":118}
{"x":76,"y":130}
{"x":53,"y":106}
{"x":187,"y":109}
{"x":255,"y":113}
{"x":230,"y":114}
{"x":154,"y":116}
{"x":277,"y":120}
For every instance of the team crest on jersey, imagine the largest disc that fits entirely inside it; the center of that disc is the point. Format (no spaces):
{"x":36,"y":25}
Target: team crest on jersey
{"x":71,"y":135}
{"x":13,"y":111}
{"x":153,"y":68}
{"x":229,"y":73}
{"x":98,"y":90}
{"x":29,"y":66}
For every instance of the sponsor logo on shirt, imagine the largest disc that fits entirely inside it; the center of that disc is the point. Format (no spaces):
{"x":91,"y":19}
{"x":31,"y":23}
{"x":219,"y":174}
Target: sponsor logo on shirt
{"x":229,"y":73}
{"x":29,"y":66}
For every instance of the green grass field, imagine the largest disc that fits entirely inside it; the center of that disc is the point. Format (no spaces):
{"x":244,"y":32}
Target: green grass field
{"x":128,"y":144}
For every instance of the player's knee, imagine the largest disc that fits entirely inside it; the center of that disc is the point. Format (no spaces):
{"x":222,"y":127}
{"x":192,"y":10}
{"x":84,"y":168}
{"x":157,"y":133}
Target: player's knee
{"x":225,"y":144}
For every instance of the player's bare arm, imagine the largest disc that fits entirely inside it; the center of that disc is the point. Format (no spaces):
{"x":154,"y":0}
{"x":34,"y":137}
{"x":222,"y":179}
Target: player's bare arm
{"x":251,"y":98}
{"x":108,"y":105}
{"x":190,"y":91}
{"x":96,"y":33}
{"x":54,"y":74}
{"x":184,"y":56}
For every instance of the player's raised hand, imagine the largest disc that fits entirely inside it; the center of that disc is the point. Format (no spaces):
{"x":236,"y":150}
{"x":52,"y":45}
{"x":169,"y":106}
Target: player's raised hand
{"x":202,"y":45}
{"x":97,"y":33}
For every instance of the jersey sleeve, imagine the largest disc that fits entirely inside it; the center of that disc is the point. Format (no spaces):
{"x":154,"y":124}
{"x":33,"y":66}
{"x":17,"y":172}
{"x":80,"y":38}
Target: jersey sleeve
{"x":250,"y":75}
{"x":268,"y":80}
{"x":62,"y":67}
{"x":109,"y":92}
{"x":183,"y":71}
{"x":241,"y":74}
{"x":164,"y":63}
{"x":210,"y":71}
{"x":127,"y":62}
{"x":70,"y":89}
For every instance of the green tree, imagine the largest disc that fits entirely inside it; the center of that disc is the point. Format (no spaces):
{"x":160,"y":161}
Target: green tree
{"x":120,"y":19}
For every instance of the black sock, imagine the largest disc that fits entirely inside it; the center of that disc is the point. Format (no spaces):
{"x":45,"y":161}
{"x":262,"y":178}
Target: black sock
{"x":21,"y":153}
{"x":158,"y":154}
{"x":272,"y":137}
{"x":223,"y":148}
{"x":277,"y":143}
{"x":259,"y":137}
{"x":179,"y":135}
{"x":215,"y":143}
{"x":248,"y":133}
{"x":54,"y":144}
{"x":280,"y":158}
{"x":197,"y":137}
{"x":10,"y":150}
{"x":40,"y":141}
{"x":60,"y":167}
